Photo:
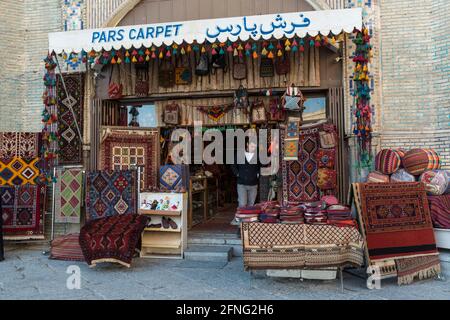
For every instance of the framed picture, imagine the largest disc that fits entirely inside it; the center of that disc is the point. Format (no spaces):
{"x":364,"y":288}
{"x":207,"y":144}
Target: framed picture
{"x":143,"y":116}
{"x":315,"y":108}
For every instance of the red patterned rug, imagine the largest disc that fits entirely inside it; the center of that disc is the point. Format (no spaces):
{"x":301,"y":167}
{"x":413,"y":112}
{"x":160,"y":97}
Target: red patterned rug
{"x":121,"y":149}
{"x":19,"y":145}
{"x":22,"y":212}
{"x":112,"y":239}
{"x":70,"y":145}
{"x":300,"y":176}
{"x":397,"y":225}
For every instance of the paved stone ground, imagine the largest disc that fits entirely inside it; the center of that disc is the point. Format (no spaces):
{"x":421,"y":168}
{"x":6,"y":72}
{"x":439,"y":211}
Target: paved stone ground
{"x":28,"y":274}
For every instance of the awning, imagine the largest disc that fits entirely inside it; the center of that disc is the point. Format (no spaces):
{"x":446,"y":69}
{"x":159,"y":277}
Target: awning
{"x":266,"y":27}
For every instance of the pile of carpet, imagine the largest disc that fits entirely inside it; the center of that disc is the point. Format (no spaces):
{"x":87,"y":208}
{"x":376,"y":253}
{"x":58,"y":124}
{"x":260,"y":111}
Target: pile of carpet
{"x":248,"y":214}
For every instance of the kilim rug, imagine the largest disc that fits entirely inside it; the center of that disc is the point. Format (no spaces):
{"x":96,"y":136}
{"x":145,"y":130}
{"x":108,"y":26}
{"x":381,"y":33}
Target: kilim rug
{"x":112,"y":239}
{"x":19,"y":145}
{"x":19,"y":171}
{"x":121,"y":149}
{"x":291,"y":246}
{"x":67,"y":248}
{"x":110,"y":193}
{"x":174,"y":177}
{"x":300,"y":177}
{"x":397,"y":224}
{"x":68,"y":200}
{"x":22,"y":214}
{"x":70,"y":145}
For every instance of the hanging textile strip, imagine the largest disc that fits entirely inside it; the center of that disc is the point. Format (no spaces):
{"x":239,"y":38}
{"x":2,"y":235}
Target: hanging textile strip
{"x":19,"y":144}
{"x":362,"y":126}
{"x":50,"y":120}
{"x":110,"y":193}
{"x":68,"y":200}
{"x":19,"y":171}
{"x":122,"y":149}
{"x":70,"y":145}
{"x":22,"y":215}
{"x":215,"y":113}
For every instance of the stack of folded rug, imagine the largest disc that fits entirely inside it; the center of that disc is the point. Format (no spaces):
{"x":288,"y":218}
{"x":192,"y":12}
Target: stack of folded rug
{"x":338,"y":214}
{"x":290,"y":214}
{"x":271,"y":213}
{"x":315,"y":212}
{"x":248,"y":214}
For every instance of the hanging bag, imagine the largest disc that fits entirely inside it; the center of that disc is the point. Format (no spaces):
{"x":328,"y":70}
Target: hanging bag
{"x":240,"y":100}
{"x":171,"y":114}
{"x":202,"y":67}
{"x":258,"y":112}
{"x":218,"y":61}
{"x":239,"y":68}
{"x":266,"y":67}
{"x":142,"y":85}
{"x":276,"y":113}
{"x":166,"y":73}
{"x":115,"y":87}
{"x":183,"y":73}
{"x":283,"y":64}
{"x":293,"y":99}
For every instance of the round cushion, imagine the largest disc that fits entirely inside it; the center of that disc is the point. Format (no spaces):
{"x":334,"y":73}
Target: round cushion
{"x":387,"y":161}
{"x":417,"y":161}
{"x":437,"y":182}
{"x":402,"y":176}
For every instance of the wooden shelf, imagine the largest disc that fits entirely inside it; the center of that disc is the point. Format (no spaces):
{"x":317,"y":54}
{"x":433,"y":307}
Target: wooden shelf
{"x":160,"y":212}
{"x":198,"y":191}
{"x":162,"y":246}
{"x":163,"y":230}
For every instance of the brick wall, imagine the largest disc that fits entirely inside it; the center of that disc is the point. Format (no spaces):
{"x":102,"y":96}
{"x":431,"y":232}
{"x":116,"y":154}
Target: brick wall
{"x":415,"y":71}
{"x":12,"y":30}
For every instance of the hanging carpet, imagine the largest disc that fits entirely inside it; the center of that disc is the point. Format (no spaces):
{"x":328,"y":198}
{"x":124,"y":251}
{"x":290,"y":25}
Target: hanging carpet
{"x":110,"y":193}
{"x":68,"y":198}
{"x":70,"y":145}
{"x":19,"y":145}
{"x":22,"y":215}
{"x":19,"y":171}
{"x":215,"y":113}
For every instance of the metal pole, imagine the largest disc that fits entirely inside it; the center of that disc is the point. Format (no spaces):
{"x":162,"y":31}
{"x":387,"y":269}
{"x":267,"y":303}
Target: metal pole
{"x":53,"y":204}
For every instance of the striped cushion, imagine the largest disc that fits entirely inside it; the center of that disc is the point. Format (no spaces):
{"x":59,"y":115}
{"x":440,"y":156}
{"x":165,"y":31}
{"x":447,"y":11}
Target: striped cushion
{"x":377,"y":177}
{"x":67,"y":248}
{"x":387,"y":161}
{"x":417,"y":161}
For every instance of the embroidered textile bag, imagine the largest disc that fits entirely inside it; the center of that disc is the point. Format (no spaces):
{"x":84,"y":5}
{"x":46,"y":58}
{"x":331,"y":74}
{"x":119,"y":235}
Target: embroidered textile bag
{"x":166,"y":74}
{"x":239,"y":68}
{"x":172,"y":114}
{"x":183,"y":73}
{"x":241,"y":98}
{"x":283,"y":65}
{"x":266,"y":67}
{"x":218,"y":61}
{"x":115,"y":88}
{"x":142,"y":85}
{"x":276,"y":113}
{"x":202,"y":67}
{"x":293,"y":99}
{"x":258,"y":112}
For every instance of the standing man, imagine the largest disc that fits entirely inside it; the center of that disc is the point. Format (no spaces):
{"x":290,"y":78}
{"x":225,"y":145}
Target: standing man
{"x":248,"y":174}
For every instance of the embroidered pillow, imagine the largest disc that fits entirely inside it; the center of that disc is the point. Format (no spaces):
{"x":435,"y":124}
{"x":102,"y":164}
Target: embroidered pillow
{"x":326,"y":179}
{"x":326,"y":158}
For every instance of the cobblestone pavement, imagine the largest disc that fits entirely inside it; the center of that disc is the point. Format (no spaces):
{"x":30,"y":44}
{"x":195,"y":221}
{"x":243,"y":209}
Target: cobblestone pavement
{"x":28,"y":274}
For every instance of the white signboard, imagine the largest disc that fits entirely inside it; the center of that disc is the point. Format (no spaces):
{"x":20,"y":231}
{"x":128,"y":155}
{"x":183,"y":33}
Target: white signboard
{"x":255,"y":27}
